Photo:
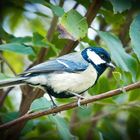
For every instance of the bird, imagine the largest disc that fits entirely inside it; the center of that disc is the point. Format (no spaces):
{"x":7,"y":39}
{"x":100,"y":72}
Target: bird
{"x":66,"y":76}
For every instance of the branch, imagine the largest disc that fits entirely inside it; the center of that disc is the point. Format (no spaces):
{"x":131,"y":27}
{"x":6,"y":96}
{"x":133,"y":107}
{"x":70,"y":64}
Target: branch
{"x":71,"y":105}
{"x":123,"y":35}
{"x":43,"y":52}
{"x":4,"y":95}
{"x":90,"y":15}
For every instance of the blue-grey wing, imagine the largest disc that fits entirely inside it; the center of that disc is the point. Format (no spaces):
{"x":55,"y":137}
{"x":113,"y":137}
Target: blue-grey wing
{"x":68,"y":63}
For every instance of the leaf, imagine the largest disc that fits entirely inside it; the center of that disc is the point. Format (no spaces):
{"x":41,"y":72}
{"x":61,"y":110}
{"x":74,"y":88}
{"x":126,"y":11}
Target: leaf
{"x":119,"y":56}
{"x":17,"y":48}
{"x":37,"y":1}
{"x":9,"y":116}
{"x":40,"y":104}
{"x":134,"y":95}
{"x":118,"y":78}
{"x":40,"y":41}
{"x":62,"y":127}
{"x":4,"y":35}
{"x":135,"y":35}
{"x":112,"y":18}
{"x":72,"y":26}
{"x":3,"y":76}
{"x":120,"y":5}
{"x":25,"y":39}
{"x":106,"y":126}
{"x":57,"y":10}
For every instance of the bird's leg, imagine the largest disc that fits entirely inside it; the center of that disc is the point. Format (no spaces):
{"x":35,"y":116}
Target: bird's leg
{"x":54,"y":104}
{"x":77,"y":95}
{"x":79,"y":99}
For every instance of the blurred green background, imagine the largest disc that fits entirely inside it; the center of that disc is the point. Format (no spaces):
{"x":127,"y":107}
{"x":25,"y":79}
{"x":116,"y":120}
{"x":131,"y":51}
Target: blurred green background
{"x":30,"y":33}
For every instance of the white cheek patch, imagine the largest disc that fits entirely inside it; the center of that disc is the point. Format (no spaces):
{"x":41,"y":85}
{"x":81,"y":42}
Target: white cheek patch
{"x":95,"y":58}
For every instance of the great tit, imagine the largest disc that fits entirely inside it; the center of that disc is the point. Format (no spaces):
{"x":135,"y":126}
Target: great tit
{"x":66,"y":76}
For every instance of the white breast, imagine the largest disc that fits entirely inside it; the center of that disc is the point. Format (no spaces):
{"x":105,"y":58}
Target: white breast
{"x":73,"y":82}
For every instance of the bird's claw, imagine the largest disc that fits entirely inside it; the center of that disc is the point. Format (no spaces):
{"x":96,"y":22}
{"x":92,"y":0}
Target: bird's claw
{"x":79,"y":104}
{"x":123,"y":90}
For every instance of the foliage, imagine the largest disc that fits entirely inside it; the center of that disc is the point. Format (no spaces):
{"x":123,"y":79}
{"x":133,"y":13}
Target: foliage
{"x":32,"y":31}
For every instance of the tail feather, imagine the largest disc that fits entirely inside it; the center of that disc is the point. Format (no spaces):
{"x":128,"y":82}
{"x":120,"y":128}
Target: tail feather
{"x":12,"y":81}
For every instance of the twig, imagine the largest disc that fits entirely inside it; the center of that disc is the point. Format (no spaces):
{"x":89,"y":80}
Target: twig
{"x":3,"y":96}
{"x":123,"y":35}
{"x":71,"y":105}
{"x":43,"y":52}
{"x":90,"y":15}
{"x":7,"y":63}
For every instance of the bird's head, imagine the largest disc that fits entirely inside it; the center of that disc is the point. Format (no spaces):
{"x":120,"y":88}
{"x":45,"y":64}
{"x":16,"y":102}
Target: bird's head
{"x":98,"y":57}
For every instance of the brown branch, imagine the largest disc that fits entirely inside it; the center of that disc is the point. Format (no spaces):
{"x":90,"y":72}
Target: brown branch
{"x":71,"y":105}
{"x":124,"y":30}
{"x":43,"y":52}
{"x":90,"y":15}
{"x":29,"y":94}
{"x":26,"y":97}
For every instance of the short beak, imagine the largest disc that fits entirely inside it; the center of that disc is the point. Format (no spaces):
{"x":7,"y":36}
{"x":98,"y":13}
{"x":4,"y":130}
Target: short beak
{"x":111,"y":65}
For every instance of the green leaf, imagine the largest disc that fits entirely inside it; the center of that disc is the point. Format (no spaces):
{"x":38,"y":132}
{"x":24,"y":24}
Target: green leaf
{"x":62,"y":127}
{"x":40,"y":104}
{"x":112,"y":18}
{"x":120,"y":5}
{"x":135,"y":35}
{"x":3,"y":76}
{"x":106,"y":126}
{"x":118,"y":77}
{"x":37,"y":1}
{"x":4,"y":35}
{"x":17,"y":48}
{"x":9,"y":116}
{"x":119,"y":56}
{"x":40,"y":41}
{"x":57,"y":10}
{"x":25,"y":39}
{"x":73,"y":26}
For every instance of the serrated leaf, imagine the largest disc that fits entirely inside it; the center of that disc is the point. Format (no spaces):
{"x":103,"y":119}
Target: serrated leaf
{"x":40,"y":104}
{"x":17,"y":48}
{"x":62,"y":127}
{"x":73,"y":26}
{"x":119,"y":56}
{"x":120,"y":5}
{"x":135,"y":35}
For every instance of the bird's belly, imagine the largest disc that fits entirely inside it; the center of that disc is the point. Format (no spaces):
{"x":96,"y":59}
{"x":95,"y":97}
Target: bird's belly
{"x":72,"y":82}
